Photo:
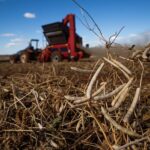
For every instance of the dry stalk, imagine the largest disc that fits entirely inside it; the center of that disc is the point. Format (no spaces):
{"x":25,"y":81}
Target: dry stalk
{"x":129,"y":144}
{"x":16,"y":99}
{"x":79,"y":105}
{"x":81,"y":70}
{"x":19,"y":130}
{"x":126,"y":58}
{"x":36,"y":99}
{"x":133,"y":105}
{"x":14,"y":95}
{"x":54,"y":145}
{"x":78,"y":125}
{"x":100,"y":34}
{"x":89,"y":89}
{"x":101,"y":127}
{"x":115,"y":124}
{"x":19,"y":100}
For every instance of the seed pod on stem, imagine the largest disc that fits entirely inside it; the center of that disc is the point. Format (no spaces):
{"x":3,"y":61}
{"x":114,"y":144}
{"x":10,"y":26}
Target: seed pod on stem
{"x":101,"y":97}
{"x":133,"y":105}
{"x":115,"y":65}
{"x":144,"y":55}
{"x":116,"y":125}
{"x":93,"y":95}
{"x":120,"y":93}
{"x":122,"y":66}
{"x":120,"y":100}
{"x":89,"y":89}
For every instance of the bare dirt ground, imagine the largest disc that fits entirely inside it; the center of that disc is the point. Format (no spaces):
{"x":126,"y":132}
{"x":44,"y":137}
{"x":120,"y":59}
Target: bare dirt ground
{"x":35,"y":115}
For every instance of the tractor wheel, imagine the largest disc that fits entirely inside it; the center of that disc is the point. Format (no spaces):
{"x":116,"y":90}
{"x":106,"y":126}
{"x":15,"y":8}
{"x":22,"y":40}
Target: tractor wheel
{"x":24,"y":58}
{"x":56,"y":56}
{"x":12,"y":60}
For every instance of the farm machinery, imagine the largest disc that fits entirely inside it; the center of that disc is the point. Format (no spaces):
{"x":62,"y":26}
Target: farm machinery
{"x":31,"y":52}
{"x":62,"y":43}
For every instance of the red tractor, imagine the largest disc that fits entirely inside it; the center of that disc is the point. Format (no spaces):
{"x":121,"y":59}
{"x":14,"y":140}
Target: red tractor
{"x":63,"y":41}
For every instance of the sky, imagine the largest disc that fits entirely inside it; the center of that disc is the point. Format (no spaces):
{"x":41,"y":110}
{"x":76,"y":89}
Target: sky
{"x":21,"y":20}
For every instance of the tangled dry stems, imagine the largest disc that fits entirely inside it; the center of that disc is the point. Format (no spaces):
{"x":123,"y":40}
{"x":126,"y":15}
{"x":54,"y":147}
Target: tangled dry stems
{"x":35,"y":112}
{"x":143,"y":54}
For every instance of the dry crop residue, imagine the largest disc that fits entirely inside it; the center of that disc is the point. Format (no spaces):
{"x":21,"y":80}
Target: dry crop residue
{"x":34,"y":113}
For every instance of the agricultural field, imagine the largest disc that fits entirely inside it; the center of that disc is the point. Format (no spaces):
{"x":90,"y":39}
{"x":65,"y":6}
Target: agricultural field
{"x":74,"y":76}
{"x":56,"y":105}
{"x":4,"y":58}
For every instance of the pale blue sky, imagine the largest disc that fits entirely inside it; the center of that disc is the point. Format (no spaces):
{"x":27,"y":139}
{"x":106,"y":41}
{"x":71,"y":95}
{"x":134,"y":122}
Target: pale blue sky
{"x":21,"y":20}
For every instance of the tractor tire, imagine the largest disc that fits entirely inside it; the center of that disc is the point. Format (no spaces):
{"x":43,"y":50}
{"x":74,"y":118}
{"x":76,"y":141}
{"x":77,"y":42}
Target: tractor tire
{"x":24,"y":58}
{"x":56,"y":56}
{"x":12,"y":60}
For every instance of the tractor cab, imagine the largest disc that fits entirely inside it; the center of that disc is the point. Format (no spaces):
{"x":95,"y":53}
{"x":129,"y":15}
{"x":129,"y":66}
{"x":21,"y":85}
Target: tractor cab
{"x":33,"y":45}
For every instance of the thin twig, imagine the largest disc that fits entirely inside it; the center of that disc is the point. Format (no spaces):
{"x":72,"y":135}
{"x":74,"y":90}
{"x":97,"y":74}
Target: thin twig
{"x":131,"y":143}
